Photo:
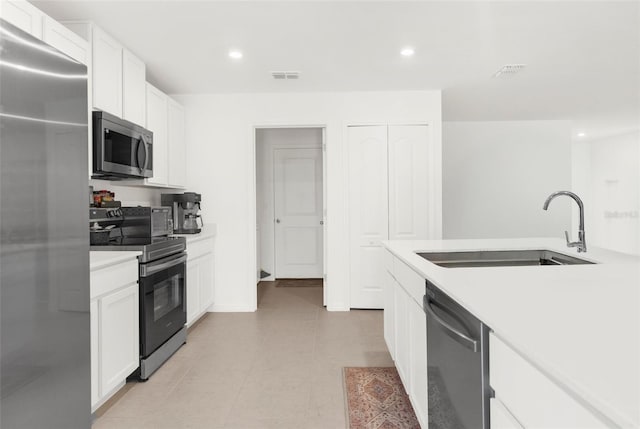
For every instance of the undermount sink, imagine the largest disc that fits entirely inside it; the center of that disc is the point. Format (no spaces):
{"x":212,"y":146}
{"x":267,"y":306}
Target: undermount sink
{"x":500,"y":258}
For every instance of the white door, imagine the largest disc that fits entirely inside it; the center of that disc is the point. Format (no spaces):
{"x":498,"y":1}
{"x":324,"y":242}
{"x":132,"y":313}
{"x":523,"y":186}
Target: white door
{"x":408,"y":182}
{"x":298,"y":212}
{"x":368,"y":213}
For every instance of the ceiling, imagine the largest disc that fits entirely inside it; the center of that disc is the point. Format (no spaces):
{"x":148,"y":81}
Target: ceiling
{"x":582,"y":57}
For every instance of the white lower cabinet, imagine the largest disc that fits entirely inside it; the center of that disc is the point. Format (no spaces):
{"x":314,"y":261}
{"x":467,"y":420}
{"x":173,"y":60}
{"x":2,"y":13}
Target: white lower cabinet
{"x":418,"y":388}
{"x":501,"y":418}
{"x":405,"y":332}
{"x":115,"y":342}
{"x":119,"y":341}
{"x":533,"y":399}
{"x":200,"y":272}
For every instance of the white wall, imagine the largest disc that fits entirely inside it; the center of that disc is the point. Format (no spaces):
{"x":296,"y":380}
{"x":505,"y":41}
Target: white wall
{"x":220,"y":139}
{"x":130,"y":195}
{"x":607,"y":173}
{"x":267,"y":139}
{"x":497,"y":175}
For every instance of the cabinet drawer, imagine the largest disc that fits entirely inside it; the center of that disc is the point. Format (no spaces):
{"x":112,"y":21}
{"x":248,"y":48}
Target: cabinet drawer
{"x":114,"y":277}
{"x":533,"y":399}
{"x":410,"y":281}
{"x":199,"y":248}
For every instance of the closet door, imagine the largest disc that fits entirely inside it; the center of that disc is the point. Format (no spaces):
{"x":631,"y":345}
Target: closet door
{"x":368,"y":213}
{"x":408,"y":182}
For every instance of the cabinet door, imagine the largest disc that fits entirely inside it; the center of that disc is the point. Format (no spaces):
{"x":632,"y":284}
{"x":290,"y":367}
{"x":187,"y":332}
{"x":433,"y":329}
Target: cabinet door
{"x":389,"y":314}
{"x":107,"y":73}
{"x":193,"y":289}
{"x":134,"y":104}
{"x":418,"y":361}
{"x":157,"y":123}
{"x":65,"y":40}
{"x":119,"y":337}
{"x":408,"y":182}
{"x":403,"y":336}
{"x":206,"y":281}
{"x":23,"y":15}
{"x":177,"y":145}
{"x":95,"y":353}
{"x":368,"y":213}
{"x":501,"y":418}
{"x":534,"y":399}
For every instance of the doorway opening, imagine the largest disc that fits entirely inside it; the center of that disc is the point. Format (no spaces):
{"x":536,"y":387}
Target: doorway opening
{"x":290,"y":208}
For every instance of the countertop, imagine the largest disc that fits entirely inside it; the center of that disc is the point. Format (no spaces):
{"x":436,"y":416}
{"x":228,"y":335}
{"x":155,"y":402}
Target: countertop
{"x":103,"y":259}
{"x":578,"y":324}
{"x":209,"y":230}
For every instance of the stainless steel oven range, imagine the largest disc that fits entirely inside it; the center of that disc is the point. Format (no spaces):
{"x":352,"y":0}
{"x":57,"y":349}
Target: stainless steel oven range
{"x":162,"y":282}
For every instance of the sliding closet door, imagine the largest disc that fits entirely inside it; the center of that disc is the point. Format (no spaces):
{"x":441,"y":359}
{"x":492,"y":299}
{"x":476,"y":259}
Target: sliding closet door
{"x":408,"y":182}
{"x":368,"y":209}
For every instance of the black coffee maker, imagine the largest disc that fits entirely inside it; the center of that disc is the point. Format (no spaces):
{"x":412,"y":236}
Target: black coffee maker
{"x":185,"y":212}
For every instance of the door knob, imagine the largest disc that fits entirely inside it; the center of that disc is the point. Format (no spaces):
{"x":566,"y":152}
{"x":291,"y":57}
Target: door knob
{"x":321,"y":222}
{"x":277,"y":220}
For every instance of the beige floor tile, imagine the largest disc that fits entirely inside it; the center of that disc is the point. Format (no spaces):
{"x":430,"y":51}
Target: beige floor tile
{"x":280,"y":367}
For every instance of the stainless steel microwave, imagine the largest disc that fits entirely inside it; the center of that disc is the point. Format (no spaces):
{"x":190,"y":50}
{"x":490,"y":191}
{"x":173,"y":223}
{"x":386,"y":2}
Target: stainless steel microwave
{"x":121,"y":149}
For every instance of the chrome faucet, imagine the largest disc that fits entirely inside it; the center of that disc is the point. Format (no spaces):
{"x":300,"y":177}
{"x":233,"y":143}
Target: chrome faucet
{"x":581,"y":243}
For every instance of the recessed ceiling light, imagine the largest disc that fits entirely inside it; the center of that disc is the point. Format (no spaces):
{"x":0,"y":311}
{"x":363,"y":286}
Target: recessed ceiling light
{"x":581,"y":134}
{"x":235,"y":54}
{"x":407,"y":52}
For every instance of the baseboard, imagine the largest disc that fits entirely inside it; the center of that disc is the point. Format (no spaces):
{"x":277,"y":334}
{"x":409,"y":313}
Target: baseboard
{"x":338,"y":307}
{"x":218,"y":308}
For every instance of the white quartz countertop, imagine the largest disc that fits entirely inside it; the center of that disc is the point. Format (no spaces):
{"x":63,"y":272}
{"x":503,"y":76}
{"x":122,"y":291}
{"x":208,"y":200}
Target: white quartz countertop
{"x":209,"y":230}
{"x":578,"y":324}
{"x":103,"y":259}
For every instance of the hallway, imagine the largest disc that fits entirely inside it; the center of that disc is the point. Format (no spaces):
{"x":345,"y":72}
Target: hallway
{"x":280,"y":367}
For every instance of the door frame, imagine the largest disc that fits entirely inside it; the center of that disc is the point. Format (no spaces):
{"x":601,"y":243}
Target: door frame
{"x":253,"y":200}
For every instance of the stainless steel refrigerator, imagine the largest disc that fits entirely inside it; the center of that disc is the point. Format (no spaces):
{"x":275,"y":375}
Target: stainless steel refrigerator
{"x":44,"y":247}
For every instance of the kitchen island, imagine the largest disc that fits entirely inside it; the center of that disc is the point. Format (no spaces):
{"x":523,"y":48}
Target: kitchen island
{"x":576,"y":325}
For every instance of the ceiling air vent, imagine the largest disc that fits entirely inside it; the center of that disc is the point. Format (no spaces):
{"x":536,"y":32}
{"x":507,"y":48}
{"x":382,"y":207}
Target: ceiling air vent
{"x":509,"y":70}
{"x":279,"y":75}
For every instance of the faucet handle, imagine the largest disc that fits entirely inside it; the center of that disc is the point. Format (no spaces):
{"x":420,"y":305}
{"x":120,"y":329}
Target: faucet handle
{"x":569,"y":243}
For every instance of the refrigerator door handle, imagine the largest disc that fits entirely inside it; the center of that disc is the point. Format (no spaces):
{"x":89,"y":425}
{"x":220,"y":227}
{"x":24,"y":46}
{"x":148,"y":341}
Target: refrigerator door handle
{"x":453,"y":333}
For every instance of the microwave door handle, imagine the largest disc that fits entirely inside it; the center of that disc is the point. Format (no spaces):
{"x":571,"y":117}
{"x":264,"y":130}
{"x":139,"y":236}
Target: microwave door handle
{"x":142,"y":165}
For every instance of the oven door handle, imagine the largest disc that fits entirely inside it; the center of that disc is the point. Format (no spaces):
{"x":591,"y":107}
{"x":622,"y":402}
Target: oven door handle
{"x":456,"y":335}
{"x":148,"y":269}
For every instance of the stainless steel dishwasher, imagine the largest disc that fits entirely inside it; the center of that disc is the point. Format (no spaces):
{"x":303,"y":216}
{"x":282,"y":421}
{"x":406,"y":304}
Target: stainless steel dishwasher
{"x":458,"y":364}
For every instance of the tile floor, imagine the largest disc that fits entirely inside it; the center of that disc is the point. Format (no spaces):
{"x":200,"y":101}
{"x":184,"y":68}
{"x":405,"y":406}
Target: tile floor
{"x":280,"y":367}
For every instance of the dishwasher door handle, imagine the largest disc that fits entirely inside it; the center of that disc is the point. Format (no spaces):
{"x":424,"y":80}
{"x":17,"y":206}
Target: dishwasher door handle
{"x":456,"y":335}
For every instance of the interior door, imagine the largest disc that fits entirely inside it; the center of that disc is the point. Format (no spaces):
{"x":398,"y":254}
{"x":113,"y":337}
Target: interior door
{"x":368,"y":213}
{"x":408,"y":182}
{"x":298,"y":212}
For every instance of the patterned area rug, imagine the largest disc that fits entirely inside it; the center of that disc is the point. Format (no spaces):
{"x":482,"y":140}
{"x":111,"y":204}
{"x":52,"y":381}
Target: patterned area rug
{"x":376,"y":399}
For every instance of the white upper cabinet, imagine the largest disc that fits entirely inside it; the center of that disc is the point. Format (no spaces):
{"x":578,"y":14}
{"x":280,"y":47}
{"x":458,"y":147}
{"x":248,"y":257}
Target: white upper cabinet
{"x":32,"y":20}
{"x":23,"y":15}
{"x":134,"y":106}
{"x":107,"y":72}
{"x":65,"y":40}
{"x":157,"y":123}
{"x":177,"y":147}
